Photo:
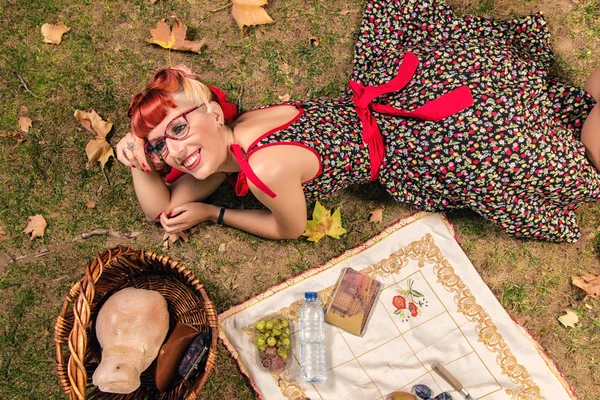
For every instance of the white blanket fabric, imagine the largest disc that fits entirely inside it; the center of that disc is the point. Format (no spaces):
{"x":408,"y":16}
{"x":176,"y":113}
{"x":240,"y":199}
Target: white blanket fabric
{"x":433,"y":307}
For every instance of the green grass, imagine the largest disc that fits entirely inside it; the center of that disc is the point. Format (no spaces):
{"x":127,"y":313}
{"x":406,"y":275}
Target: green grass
{"x":103,"y":61}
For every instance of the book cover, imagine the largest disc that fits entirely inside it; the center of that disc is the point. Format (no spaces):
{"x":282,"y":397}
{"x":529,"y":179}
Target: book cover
{"x":352,"y":301}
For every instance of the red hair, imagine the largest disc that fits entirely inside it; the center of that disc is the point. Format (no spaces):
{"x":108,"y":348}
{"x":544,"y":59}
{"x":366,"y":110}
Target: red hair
{"x":149,"y":108}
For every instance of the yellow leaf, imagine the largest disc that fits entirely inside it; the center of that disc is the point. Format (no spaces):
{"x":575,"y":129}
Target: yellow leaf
{"x":323,"y":223}
{"x":569,"y":319}
{"x":175,"y":39}
{"x":24,"y":124}
{"x":250,"y":12}
{"x":98,"y":148}
{"x":36,"y":226}
{"x":53,"y":33}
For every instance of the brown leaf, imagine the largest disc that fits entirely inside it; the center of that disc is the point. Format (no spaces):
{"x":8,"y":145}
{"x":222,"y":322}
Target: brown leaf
{"x":16,"y":136}
{"x":23,"y":110}
{"x":175,"y":236}
{"x":2,"y":232}
{"x":314,"y":41}
{"x":90,"y":204}
{"x":24,"y":124}
{"x":376,"y":215}
{"x":98,"y":148}
{"x":93,"y":123}
{"x":284,"y":98}
{"x":53,"y":33}
{"x":36,"y":226}
{"x":344,"y":12}
{"x":250,"y":12}
{"x":174,"y":39}
{"x":589,"y":283}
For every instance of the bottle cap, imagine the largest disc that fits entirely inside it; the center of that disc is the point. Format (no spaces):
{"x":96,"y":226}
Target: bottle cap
{"x":310,"y":295}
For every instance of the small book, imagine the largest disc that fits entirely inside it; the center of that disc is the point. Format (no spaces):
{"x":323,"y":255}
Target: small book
{"x":352,"y":301}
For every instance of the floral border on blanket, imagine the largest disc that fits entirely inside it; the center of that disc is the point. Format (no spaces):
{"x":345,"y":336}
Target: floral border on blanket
{"x":425,"y":251}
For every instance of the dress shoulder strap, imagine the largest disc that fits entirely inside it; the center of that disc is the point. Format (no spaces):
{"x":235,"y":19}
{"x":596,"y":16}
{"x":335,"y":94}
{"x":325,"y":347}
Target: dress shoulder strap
{"x":241,"y":186}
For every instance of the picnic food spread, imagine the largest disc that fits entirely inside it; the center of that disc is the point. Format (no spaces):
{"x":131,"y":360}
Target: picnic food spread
{"x":273,"y":342}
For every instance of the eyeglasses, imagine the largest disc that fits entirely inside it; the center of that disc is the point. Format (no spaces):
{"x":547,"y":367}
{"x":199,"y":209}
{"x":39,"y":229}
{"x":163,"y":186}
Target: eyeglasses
{"x":177,"y":129}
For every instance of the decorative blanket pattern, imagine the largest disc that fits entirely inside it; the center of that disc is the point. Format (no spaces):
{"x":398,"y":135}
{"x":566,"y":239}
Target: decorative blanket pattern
{"x":433,"y":307}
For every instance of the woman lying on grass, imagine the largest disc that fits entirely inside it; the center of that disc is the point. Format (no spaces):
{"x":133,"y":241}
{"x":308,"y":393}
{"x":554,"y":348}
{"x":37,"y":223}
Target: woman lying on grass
{"x":445,"y":112}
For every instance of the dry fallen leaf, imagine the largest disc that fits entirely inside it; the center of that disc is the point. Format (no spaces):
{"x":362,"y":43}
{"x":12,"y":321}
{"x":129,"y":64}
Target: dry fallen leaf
{"x":24,"y":124}
{"x":53,"y":33}
{"x":16,"y":136}
{"x":284,"y":98}
{"x":344,"y":12}
{"x":36,"y":226}
{"x":23,"y":110}
{"x":174,"y":39}
{"x":376,"y":215}
{"x":314,"y":41}
{"x":250,"y":12}
{"x":589,"y":283}
{"x":169,"y":238}
{"x":569,"y":319}
{"x":2,"y":232}
{"x":90,"y":204}
{"x":222,"y":248}
{"x":323,"y":223}
{"x":98,"y":148}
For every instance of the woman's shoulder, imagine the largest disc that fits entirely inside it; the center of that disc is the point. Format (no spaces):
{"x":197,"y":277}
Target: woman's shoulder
{"x":251,"y":125}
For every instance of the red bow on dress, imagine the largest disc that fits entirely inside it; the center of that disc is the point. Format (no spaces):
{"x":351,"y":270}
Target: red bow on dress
{"x":434,"y":110}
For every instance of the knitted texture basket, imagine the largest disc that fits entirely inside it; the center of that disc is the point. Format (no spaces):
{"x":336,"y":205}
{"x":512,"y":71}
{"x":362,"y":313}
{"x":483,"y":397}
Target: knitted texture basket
{"x":78,"y":352}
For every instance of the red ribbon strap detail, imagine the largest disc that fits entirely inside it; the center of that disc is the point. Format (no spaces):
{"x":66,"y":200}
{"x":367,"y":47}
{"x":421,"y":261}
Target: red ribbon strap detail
{"x":435,"y":110}
{"x":241,"y":186}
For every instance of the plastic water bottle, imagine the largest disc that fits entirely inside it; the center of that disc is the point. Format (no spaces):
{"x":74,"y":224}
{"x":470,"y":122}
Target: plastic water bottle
{"x":312,"y":340}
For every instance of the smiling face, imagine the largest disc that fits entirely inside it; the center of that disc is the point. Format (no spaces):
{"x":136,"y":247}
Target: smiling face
{"x":191,"y":138}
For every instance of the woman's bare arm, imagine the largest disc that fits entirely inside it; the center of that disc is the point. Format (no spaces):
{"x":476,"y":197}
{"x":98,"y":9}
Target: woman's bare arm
{"x":155,"y":197}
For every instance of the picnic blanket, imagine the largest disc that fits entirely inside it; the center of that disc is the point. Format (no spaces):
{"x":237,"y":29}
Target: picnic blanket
{"x":433,"y":307}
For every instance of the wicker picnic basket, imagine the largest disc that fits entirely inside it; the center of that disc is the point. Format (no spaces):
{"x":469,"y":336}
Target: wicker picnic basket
{"x":77,"y":349}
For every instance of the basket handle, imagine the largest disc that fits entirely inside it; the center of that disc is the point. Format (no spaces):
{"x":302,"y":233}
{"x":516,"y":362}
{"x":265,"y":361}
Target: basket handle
{"x":82,"y":313}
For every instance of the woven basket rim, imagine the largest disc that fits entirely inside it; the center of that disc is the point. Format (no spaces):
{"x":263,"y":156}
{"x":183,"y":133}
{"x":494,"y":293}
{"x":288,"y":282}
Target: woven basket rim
{"x":74,"y":319}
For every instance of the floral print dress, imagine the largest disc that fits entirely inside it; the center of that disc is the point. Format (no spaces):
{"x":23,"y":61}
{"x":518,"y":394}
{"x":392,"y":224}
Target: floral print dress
{"x":514,"y":156}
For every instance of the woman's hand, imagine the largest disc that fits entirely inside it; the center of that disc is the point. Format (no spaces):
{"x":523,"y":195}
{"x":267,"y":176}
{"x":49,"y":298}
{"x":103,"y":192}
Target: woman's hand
{"x":130,"y":151}
{"x":186,"y":215}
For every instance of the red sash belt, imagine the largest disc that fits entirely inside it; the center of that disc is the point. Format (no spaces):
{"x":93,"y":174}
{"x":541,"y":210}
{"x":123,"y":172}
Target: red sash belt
{"x":435,"y":110}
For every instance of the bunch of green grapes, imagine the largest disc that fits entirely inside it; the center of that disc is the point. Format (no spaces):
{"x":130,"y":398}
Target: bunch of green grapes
{"x":273,"y":342}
